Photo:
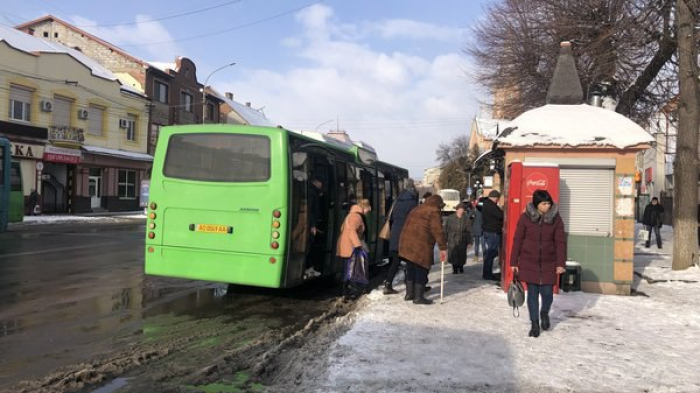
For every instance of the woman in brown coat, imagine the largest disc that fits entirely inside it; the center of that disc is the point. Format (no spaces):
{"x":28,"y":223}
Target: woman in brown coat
{"x":351,"y":234}
{"x":423,"y":228}
{"x":539,"y":255}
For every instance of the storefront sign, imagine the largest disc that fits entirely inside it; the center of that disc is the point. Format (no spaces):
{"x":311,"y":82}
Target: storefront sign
{"x":648,"y":175}
{"x":625,"y":186}
{"x":61,"y":155}
{"x":25,"y":150}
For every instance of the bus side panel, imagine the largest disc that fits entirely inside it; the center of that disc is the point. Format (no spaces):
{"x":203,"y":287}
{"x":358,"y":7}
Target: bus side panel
{"x":16,"y":212}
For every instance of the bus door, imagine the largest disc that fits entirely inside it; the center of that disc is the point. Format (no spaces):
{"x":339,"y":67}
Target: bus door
{"x":367,"y":189}
{"x":16,"y":210}
{"x":322,"y":166}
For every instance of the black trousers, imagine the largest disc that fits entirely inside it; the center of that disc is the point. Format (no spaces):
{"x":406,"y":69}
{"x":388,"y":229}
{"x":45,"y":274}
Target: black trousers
{"x":393,"y":267}
{"x":416,"y":273}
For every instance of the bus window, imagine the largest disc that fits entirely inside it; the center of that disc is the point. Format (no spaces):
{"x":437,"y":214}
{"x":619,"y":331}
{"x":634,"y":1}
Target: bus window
{"x":218,"y":157}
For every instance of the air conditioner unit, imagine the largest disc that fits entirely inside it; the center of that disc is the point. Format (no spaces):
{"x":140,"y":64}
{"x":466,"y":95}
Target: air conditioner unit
{"x":123,"y":123}
{"x":83,"y":114}
{"x":46,"y":106}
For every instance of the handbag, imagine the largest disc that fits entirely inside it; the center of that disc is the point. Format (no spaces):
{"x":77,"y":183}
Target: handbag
{"x":357,"y":267}
{"x":516,"y":295}
{"x":643,"y":235}
{"x":385,"y":232}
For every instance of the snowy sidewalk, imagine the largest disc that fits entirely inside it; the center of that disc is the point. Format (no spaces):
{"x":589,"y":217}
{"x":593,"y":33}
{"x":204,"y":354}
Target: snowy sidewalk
{"x":472,"y":342}
{"x":101,"y":218}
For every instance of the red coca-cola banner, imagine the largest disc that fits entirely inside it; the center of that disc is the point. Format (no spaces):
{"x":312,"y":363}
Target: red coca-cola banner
{"x":536,"y":181}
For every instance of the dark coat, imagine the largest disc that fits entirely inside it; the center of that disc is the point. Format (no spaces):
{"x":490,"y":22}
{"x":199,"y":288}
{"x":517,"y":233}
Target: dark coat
{"x":493,"y":216}
{"x":653,"y":215}
{"x":423,"y":228}
{"x":459,"y":237}
{"x":406,"y":201}
{"x":539,"y":246}
{"x":477,"y":222}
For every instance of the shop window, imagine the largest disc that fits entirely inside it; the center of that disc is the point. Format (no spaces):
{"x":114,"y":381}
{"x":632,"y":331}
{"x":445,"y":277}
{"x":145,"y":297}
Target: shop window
{"x":127,"y":184}
{"x":20,"y":103}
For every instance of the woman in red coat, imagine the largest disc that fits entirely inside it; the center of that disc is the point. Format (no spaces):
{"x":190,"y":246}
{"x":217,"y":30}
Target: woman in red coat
{"x":539,"y":255}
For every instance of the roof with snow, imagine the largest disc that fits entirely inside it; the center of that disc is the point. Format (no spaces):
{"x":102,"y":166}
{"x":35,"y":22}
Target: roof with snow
{"x":163,"y":66}
{"x":33,"y":45}
{"x":103,"y":151}
{"x":251,"y":115}
{"x":573,"y":126}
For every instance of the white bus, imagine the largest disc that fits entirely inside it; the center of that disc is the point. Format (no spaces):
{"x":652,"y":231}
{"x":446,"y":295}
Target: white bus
{"x":450,"y":198}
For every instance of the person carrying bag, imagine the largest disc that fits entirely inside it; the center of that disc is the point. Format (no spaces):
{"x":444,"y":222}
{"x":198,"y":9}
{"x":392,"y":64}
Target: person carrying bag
{"x":351,"y":252}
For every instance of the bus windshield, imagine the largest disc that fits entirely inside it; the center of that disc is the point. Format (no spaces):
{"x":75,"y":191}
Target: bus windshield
{"x":217,"y":157}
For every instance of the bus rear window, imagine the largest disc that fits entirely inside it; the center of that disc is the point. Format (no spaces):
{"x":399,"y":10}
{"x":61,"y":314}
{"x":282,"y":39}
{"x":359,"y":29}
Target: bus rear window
{"x":218,"y":157}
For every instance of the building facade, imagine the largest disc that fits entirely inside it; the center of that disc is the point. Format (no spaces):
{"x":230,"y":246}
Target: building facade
{"x":68,"y":118}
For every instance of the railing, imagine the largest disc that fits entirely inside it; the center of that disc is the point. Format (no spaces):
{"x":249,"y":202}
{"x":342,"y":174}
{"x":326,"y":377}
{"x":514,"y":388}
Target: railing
{"x":67,"y":135}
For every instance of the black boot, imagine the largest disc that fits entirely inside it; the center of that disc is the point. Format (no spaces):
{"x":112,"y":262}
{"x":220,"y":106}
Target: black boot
{"x":460,"y":269}
{"x":535,"y":329}
{"x":419,"y":298}
{"x":455,"y":269}
{"x":389,"y":289}
{"x":409,"y":291}
{"x":545,"y":320}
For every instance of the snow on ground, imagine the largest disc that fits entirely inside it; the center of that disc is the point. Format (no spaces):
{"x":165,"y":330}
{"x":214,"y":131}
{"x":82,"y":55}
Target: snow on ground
{"x":65,"y":218}
{"x":472,"y":342}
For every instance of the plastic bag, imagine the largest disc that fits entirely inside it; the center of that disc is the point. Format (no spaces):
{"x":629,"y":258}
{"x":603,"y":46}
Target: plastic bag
{"x":357,"y":267}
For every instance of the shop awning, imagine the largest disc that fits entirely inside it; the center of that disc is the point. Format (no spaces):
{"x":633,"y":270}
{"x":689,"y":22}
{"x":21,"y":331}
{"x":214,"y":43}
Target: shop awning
{"x":130,"y":155}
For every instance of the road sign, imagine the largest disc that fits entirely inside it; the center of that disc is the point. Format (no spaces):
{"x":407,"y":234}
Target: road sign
{"x":39,"y":166}
{"x":469,"y":190}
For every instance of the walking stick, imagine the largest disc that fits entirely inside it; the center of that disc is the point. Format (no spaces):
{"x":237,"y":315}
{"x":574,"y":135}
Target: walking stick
{"x":442,"y":278}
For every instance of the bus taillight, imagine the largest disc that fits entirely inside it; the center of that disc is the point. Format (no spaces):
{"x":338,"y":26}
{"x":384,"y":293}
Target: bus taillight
{"x":273,"y":260}
{"x":151,"y":235}
{"x":152,"y":225}
{"x":274,"y":245}
{"x":277,"y":214}
{"x":275,"y":235}
{"x":153,"y":206}
{"x":275,"y":224}
{"x":152,"y":215}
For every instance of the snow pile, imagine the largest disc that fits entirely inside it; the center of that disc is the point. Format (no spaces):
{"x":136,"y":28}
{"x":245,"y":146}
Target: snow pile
{"x":472,"y":342}
{"x":57,"y":219}
{"x":573,"y":125}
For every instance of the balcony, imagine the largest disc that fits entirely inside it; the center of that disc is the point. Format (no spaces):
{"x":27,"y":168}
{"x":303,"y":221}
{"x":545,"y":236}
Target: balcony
{"x":66,"y":136}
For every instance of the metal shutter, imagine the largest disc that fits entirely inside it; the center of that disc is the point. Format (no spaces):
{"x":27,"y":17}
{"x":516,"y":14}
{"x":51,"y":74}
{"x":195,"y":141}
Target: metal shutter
{"x":586,"y":200}
{"x":96,"y":121}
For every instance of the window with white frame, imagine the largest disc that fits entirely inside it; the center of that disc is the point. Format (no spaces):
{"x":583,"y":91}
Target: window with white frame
{"x":186,"y":101}
{"x":160,"y":92}
{"x":127,"y":184}
{"x":20,"y":103}
{"x":96,"y":120}
{"x":131,"y":127}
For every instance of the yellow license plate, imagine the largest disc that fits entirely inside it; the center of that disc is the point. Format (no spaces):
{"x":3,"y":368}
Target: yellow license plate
{"x":211,"y":228}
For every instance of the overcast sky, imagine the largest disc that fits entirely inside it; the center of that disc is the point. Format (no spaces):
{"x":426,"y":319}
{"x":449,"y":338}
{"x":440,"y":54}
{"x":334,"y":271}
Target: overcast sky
{"x":391,"y":73}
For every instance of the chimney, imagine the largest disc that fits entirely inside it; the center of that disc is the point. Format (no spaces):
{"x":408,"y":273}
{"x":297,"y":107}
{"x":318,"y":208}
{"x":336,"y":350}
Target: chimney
{"x":229,"y":95}
{"x":565,"y":88}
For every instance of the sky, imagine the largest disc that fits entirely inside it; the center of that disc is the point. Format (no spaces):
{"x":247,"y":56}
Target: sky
{"x":391,"y":73}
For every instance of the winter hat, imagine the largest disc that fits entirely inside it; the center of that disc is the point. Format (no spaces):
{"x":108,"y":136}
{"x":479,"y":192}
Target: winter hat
{"x":540,"y":196}
{"x":494,"y":194}
{"x":434,"y":200}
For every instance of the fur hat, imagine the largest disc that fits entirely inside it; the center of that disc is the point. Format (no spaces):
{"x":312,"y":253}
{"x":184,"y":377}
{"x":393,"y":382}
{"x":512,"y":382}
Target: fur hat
{"x":540,"y":196}
{"x":434,"y":200}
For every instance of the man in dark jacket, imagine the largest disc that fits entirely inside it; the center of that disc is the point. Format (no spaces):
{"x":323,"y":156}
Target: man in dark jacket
{"x":653,"y":219}
{"x":407,"y":200}
{"x":492,"y":215}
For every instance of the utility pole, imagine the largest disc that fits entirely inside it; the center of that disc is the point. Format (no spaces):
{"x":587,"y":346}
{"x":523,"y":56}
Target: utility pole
{"x":685,"y":166}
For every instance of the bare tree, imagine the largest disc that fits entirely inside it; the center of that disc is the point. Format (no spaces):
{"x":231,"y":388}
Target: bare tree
{"x":627,"y":44}
{"x":456,"y":161}
{"x":685,"y":184}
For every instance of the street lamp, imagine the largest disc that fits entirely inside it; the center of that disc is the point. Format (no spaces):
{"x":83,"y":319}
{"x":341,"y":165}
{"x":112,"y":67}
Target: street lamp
{"x":325,"y":122}
{"x":204,"y":87}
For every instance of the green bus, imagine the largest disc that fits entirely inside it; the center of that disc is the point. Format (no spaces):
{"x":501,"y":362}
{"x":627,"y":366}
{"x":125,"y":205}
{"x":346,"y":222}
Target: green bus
{"x":229,"y":203}
{"x":16,"y":213}
{"x":5,"y":159}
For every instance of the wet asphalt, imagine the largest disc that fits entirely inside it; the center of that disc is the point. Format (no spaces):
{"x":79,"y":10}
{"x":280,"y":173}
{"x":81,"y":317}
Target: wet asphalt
{"x":70,"y":293}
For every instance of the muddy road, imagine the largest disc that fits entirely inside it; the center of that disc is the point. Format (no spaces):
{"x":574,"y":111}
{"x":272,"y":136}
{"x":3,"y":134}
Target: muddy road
{"x":77,"y":314}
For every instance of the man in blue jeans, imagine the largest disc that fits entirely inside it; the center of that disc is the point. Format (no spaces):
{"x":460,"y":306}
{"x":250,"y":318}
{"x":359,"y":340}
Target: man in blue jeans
{"x":493,"y":230}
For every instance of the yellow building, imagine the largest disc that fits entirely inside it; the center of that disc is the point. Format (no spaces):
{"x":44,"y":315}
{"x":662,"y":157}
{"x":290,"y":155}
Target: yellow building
{"x":78,"y":133}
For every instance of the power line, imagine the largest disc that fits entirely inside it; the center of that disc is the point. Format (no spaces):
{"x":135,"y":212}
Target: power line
{"x":199,"y":11}
{"x":256,"y":22}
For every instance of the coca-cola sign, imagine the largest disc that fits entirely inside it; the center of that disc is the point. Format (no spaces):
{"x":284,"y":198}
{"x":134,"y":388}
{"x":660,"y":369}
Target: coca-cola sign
{"x":536,"y":181}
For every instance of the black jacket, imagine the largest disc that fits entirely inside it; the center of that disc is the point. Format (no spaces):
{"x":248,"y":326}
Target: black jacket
{"x":653,"y":215}
{"x":406,"y":201}
{"x":493,"y":217}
